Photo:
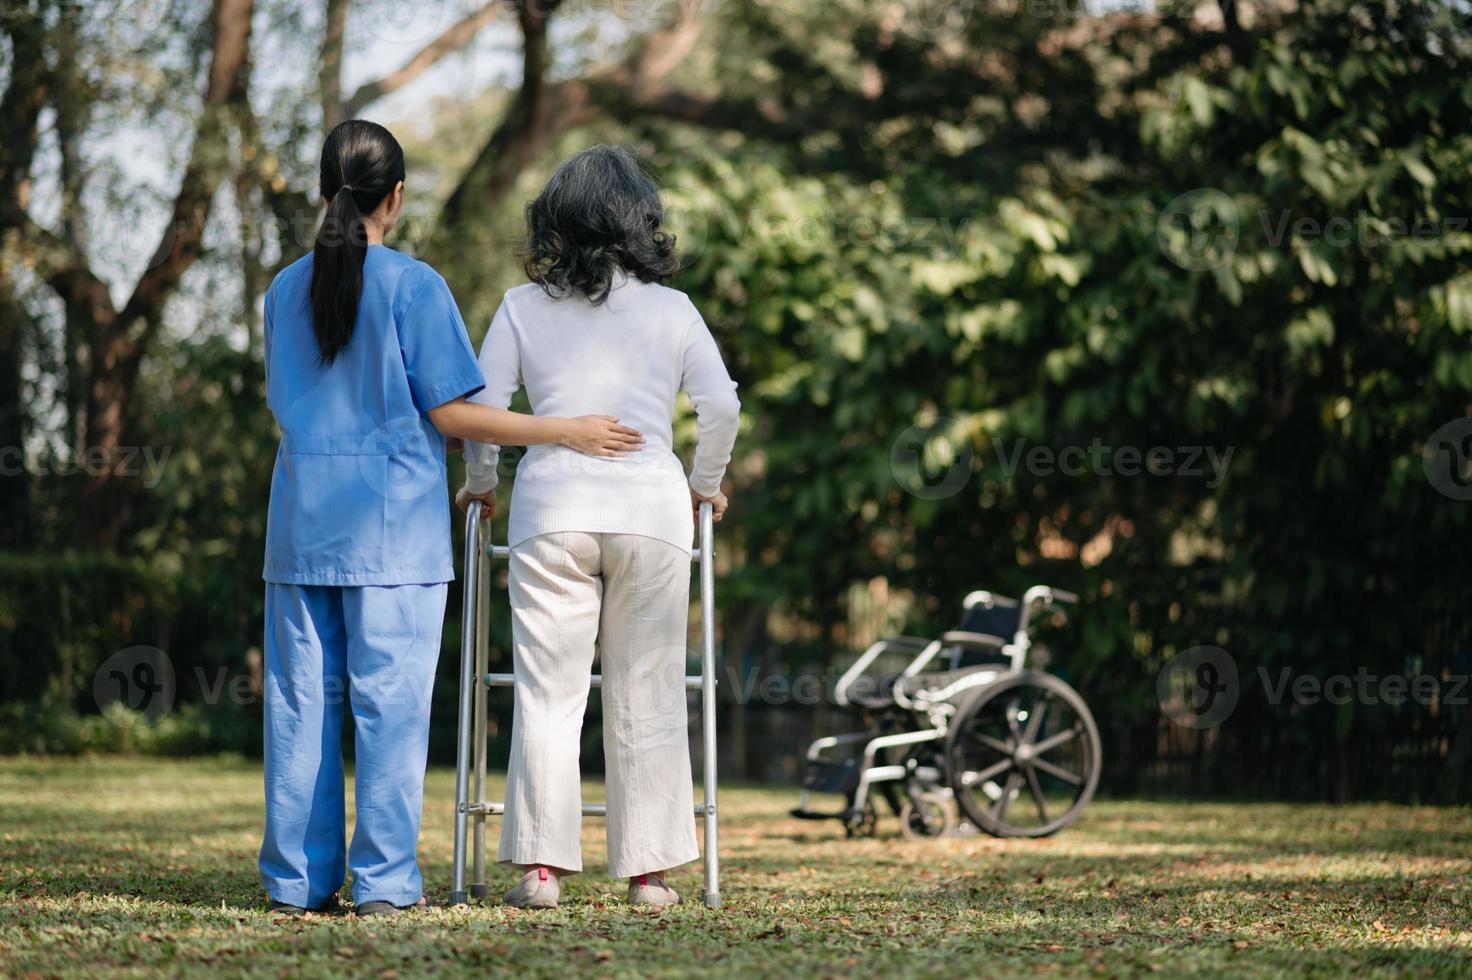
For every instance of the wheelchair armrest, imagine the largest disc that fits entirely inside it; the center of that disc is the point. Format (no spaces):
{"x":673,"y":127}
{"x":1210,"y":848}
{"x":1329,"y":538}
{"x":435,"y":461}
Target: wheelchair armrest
{"x":972,"y":641}
{"x":902,"y":644}
{"x":915,"y":643}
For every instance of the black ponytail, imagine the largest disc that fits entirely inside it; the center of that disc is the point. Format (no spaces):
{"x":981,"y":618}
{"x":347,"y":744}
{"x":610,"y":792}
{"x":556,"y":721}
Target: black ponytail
{"x":361,"y":165}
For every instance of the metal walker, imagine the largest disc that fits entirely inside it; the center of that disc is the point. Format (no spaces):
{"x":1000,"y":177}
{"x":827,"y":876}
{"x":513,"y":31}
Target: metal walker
{"x":470,"y":756}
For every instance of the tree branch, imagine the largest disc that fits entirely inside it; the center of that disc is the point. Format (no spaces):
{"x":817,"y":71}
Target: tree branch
{"x":20,"y":109}
{"x":539,"y":112}
{"x":530,"y":122}
{"x":208,"y":164}
{"x":663,"y":50}
{"x":65,"y":269}
{"x":634,"y":88}
{"x":757,"y":117}
{"x":452,"y":39}
{"x":57,"y":259}
{"x":329,"y":70}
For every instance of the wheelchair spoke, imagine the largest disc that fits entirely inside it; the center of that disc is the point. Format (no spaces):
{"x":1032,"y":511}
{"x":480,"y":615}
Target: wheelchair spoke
{"x":1057,"y":772}
{"x":995,"y":744}
{"x":1035,"y":722}
{"x":1014,"y":783}
{"x":1053,"y":741}
{"x":1037,"y":794}
{"x":1012,"y":725}
{"x":969,"y":779}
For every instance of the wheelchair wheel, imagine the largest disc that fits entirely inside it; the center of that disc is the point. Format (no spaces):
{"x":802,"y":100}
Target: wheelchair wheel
{"x":1023,"y":755}
{"x":926,"y":817}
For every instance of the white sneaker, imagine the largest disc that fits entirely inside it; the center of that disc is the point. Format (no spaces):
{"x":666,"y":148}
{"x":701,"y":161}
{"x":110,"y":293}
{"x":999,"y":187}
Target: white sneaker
{"x":652,"y":890}
{"x":538,"y":889}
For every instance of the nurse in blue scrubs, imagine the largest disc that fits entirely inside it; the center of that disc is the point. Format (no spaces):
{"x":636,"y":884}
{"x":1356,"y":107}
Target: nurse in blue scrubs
{"x":368,"y":367}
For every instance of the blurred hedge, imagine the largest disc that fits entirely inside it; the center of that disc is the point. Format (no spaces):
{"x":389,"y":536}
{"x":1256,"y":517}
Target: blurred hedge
{"x":61,"y":617}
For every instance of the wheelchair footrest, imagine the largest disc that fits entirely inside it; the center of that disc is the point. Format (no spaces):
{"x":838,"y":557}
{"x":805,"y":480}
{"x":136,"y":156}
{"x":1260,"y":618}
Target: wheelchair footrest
{"x":802,"y":814}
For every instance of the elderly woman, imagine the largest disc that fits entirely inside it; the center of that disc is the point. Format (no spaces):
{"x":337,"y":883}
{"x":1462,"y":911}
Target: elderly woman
{"x":600,"y":548}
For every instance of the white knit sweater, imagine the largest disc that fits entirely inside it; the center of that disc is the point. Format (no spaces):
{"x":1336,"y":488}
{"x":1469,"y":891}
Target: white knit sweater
{"x":629,"y":357}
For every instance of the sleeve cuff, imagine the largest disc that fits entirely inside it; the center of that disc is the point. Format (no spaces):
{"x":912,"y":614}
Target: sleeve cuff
{"x":459,"y":388}
{"x":705,"y":490}
{"x":481,"y":482}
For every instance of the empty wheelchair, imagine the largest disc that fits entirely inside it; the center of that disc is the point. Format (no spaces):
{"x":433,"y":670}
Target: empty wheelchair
{"x":963,"y":732}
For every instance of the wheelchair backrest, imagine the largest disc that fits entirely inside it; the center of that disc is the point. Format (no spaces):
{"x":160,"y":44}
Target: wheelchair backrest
{"x":994,"y":615}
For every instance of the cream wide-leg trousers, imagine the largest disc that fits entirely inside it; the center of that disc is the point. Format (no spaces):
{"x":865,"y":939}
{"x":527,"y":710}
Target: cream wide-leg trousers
{"x":628,"y":595}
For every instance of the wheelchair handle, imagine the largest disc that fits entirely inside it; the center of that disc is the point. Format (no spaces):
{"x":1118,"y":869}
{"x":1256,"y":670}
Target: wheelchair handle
{"x":1063,"y":596}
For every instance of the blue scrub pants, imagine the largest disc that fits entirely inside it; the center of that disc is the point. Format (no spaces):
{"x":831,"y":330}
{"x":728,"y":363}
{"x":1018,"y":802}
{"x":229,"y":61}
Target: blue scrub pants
{"x":373,"y":647}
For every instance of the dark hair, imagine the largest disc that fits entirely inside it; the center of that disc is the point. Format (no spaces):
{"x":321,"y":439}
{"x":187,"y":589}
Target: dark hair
{"x":361,"y":164}
{"x":599,"y":212}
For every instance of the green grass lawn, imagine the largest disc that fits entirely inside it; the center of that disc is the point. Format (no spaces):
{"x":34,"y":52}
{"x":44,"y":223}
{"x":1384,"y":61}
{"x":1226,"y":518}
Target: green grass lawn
{"x":128,"y":866}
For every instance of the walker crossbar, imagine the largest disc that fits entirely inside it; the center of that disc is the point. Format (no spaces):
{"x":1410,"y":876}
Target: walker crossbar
{"x":471,"y":808}
{"x":508,"y":680}
{"x":496,"y":808}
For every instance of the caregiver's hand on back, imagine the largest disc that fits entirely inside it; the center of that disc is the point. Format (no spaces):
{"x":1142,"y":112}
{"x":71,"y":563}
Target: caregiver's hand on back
{"x":593,"y":435}
{"x":601,"y":435}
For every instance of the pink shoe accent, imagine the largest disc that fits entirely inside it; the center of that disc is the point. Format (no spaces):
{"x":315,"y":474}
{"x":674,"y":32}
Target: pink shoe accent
{"x":541,"y":874}
{"x":643,"y":880}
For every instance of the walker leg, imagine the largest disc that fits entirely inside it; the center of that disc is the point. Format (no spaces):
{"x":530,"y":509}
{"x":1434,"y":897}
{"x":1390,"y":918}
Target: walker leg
{"x":468,"y":683}
{"x":712,"y":892}
{"x":478,"y":888}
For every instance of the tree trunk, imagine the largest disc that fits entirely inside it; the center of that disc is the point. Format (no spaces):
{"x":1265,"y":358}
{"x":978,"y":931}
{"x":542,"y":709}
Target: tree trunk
{"x":329,"y":71}
{"x":119,"y":343}
{"x":15,"y":483}
{"x":20,"y":110}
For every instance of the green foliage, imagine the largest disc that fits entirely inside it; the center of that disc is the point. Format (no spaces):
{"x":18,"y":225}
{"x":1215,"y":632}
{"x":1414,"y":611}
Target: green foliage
{"x":1307,"y":325}
{"x":1245,"y":243}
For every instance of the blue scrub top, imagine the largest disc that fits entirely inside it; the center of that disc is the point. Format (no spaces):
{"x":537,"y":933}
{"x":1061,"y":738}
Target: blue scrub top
{"x":359,"y":494}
